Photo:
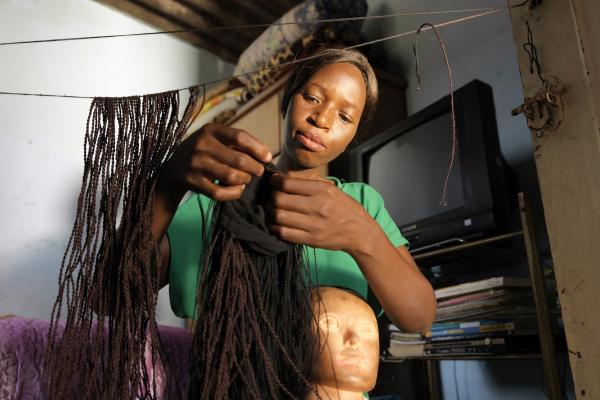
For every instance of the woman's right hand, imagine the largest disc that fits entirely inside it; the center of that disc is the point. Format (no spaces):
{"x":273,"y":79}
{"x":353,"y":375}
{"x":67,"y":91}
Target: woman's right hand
{"x":215,"y":152}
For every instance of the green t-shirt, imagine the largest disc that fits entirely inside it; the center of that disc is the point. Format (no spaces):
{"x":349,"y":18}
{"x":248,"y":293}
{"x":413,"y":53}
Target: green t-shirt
{"x":330,"y":268}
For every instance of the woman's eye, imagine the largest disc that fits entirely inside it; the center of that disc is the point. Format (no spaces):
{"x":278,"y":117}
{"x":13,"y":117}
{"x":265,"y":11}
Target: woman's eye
{"x":310,"y":98}
{"x":345,"y":119}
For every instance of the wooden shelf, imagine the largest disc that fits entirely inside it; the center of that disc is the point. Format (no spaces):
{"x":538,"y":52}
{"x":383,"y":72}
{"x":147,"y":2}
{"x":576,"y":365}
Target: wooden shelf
{"x":464,"y":246}
{"x":506,"y":356}
{"x":536,"y":274}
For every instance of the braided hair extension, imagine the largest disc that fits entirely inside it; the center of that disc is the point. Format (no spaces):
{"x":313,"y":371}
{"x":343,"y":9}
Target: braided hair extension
{"x":254,"y":336}
{"x":110,"y":264}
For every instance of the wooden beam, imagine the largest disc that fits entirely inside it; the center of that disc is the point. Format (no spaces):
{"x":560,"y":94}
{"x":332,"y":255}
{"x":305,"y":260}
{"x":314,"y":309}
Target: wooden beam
{"x":215,"y":10}
{"x":256,"y":14}
{"x":565,"y":33}
{"x":186,"y":16}
{"x":275,"y":8}
{"x":224,"y":16}
{"x":166,"y":24}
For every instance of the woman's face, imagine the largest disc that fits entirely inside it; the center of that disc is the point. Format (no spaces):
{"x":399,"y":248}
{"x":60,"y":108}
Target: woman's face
{"x":323,"y":116}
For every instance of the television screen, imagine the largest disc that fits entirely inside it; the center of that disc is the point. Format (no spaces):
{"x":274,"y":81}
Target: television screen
{"x":408,"y":164}
{"x":420,"y":171}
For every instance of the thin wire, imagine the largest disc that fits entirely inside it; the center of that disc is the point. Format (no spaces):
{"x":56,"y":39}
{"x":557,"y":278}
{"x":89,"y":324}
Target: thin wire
{"x":250,"y":26}
{"x":69,"y":96}
{"x":529,"y":47}
{"x":285,"y":64}
{"x":444,"y":199}
{"x":531,"y":51}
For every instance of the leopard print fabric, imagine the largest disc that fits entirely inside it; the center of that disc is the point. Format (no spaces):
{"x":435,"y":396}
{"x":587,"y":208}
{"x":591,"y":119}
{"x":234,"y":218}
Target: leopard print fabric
{"x":266,"y":75}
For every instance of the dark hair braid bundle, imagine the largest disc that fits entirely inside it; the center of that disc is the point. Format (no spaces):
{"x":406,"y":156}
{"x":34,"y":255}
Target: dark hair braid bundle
{"x":110,"y":264}
{"x":254,"y":337}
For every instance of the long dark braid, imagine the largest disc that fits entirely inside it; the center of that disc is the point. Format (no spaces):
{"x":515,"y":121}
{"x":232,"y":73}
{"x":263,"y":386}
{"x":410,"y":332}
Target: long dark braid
{"x":110,"y":264}
{"x":254,"y":337}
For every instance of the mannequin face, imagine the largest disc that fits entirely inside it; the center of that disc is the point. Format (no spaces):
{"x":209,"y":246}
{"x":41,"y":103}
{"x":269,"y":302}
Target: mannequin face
{"x":349,"y":355}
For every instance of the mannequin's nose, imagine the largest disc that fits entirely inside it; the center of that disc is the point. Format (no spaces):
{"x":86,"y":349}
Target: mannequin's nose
{"x":351,"y":338}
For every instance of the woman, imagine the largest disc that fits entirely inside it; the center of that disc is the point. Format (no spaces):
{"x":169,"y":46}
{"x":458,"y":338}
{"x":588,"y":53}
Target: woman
{"x":327,"y":100}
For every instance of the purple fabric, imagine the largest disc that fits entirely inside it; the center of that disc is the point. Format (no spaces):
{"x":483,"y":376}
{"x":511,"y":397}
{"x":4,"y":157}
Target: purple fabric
{"x":22,"y":343}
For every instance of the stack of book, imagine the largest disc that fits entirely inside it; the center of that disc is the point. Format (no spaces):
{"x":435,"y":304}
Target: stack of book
{"x":515,"y":335}
{"x":494,"y":297}
{"x":490,"y":316}
{"x":404,"y":345}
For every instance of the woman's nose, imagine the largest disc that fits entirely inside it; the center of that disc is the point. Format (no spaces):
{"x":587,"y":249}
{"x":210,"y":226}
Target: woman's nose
{"x":321,"y":118}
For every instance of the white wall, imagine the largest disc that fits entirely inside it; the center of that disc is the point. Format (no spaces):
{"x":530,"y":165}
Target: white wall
{"x":41,"y":139}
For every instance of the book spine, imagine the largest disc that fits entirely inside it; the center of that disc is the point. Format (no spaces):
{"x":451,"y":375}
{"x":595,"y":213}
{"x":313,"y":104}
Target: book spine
{"x":488,"y":341}
{"x":467,"y":288}
{"x":439,"y":326}
{"x":468,"y":297}
{"x":455,"y":338}
{"x":467,"y":350}
{"x":509,"y":326}
{"x":491,"y":283}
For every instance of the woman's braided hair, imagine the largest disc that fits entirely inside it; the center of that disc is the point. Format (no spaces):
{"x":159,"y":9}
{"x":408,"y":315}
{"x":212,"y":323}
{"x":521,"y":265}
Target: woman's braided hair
{"x":110,"y":265}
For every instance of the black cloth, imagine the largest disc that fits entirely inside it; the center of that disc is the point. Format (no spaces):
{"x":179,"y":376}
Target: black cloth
{"x":246,"y":218}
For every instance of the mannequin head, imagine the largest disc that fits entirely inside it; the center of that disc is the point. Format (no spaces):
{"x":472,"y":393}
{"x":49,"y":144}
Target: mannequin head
{"x":348,"y":355}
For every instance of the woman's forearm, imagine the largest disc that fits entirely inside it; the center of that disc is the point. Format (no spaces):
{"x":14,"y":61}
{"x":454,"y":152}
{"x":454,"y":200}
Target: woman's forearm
{"x":404,"y":293}
{"x":166,"y":201}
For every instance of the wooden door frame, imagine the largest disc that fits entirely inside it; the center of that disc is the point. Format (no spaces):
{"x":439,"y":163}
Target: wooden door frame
{"x":566,"y":34}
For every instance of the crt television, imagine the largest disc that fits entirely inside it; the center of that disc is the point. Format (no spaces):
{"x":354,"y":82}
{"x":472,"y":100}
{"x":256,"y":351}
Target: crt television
{"x":408,"y":164}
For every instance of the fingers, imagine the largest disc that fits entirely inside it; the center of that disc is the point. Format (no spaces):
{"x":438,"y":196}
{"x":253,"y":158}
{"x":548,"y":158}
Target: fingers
{"x":231,"y":155}
{"x":245,"y":142}
{"x":239,"y":161}
{"x":293,"y":235}
{"x":224,"y":154}
{"x":220,"y":193}
{"x":293,"y":202}
{"x":293,"y":220}
{"x":205,"y":167}
{"x":216,"y":152}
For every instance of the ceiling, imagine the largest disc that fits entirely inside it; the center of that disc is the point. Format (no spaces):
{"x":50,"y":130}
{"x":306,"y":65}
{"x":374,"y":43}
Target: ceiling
{"x":168,"y":15}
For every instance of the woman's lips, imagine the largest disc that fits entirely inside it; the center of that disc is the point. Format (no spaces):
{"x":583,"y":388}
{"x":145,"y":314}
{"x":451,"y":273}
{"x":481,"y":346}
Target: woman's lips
{"x":310,"y":141}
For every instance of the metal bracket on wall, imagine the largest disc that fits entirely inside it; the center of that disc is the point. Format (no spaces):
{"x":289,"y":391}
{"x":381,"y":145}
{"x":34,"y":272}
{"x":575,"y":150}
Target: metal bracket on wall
{"x":544,"y":110}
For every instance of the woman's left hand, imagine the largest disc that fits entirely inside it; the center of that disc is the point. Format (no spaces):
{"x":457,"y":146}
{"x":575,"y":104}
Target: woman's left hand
{"x":316,"y":213}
